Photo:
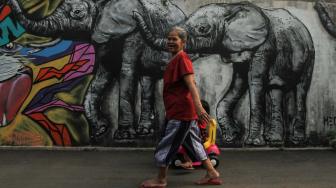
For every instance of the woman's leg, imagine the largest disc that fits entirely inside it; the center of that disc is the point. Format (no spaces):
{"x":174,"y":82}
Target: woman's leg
{"x":194,"y":144}
{"x":174,"y":134}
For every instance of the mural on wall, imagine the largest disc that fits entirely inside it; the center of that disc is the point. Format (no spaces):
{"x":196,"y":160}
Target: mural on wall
{"x":70,"y":75}
{"x":110,"y":26}
{"x":66,"y":60}
{"x":40,"y":79}
{"x":272,"y":54}
{"x":9,"y":28}
{"x":34,"y":84}
{"x":326,"y":18}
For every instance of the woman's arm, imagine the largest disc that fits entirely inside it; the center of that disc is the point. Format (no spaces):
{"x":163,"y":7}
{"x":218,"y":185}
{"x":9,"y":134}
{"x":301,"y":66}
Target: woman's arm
{"x":190,"y":81}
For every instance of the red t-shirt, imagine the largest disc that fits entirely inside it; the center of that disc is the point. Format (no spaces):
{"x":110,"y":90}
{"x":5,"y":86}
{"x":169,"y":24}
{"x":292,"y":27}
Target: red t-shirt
{"x":176,"y":95}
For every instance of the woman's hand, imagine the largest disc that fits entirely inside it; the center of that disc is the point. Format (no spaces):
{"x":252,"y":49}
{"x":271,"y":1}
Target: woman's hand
{"x":203,"y":116}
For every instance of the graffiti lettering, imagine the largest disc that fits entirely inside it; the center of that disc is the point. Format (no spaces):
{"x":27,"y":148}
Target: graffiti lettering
{"x":7,"y":27}
{"x":5,"y":12}
{"x":329,"y":121}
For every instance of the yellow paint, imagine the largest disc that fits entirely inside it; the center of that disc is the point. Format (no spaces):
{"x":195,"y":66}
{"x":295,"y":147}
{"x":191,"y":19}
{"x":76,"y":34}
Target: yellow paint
{"x":38,"y":86}
{"x":74,"y":121}
{"x":211,"y":140}
{"x":18,"y":128}
{"x":27,"y":38}
{"x":77,"y":94}
{"x":22,"y":130}
{"x":40,"y":7}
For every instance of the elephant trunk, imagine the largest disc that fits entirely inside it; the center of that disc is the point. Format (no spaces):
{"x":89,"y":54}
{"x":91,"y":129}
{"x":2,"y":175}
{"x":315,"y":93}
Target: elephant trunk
{"x":195,"y":44}
{"x":158,"y":43}
{"x":49,"y":26}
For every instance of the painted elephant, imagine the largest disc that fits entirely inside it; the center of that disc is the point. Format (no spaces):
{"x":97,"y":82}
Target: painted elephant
{"x":328,"y":23}
{"x":272,"y":54}
{"x":109,"y":25}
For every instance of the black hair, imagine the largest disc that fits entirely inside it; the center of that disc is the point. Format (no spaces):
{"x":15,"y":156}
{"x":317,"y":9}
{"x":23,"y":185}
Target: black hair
{"x":206,"y":106}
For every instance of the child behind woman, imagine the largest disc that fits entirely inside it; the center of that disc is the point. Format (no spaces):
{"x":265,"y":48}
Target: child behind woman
{"x":188,"y":163}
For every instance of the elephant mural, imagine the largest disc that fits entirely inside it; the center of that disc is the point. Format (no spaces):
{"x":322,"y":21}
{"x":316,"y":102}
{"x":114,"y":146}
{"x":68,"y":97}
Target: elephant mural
{"x":272,"y":54}
{"x":328,"y":23}
{"x":109,"y":25}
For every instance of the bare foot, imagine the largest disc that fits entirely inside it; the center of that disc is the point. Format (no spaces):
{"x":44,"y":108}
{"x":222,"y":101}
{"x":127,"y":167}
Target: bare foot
{"x":211,"y":178}
{"x":187,"y":166}
{"x":209,"y":181}
{"x":153,"y":183}
{"x":212,"y":174}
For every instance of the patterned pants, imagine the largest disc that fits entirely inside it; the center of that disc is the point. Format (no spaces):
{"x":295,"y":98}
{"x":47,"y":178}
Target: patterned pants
{"x":175,"y":134}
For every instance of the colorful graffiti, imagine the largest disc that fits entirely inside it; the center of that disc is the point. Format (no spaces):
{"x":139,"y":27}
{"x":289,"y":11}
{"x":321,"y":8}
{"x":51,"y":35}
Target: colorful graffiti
{"x":51,"y":76}
{"x":70,"y":70}
{"x":70,"y":75}
{"x":9,"y":29}
{"x":42,"y":85}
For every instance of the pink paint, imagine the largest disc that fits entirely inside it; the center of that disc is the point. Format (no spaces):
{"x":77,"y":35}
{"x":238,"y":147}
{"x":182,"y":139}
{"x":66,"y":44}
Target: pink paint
{"x":211,"y":150}
{"x":13,"y":93}
{"x":56,"y":103}
{"x":82,"y":52}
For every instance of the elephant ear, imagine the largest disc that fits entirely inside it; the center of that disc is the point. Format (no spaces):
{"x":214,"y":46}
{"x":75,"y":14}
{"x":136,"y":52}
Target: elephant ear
{"x":115,"y":21}
{"x":161,"y":15}
{"x":246,"y":28}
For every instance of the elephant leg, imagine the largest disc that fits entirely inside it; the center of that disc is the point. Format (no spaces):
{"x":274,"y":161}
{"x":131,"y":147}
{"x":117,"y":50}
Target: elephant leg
{"x":274,"y":133}
{"x":231,"y":132}
{"x":131,"y":53}
{"x":147,"y":106}
{"x":257,"y":75}
{"x":92,"y":103}
{"x":298,"y":125}
{"x":305,"y":65}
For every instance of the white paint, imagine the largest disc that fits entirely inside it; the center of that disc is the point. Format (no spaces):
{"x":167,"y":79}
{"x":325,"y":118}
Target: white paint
{"x":321,"y":99}
{"x":213,"y":76}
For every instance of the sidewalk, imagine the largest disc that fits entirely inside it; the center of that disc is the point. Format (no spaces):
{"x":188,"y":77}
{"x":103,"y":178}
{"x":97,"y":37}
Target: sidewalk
{"x":127,"y":168}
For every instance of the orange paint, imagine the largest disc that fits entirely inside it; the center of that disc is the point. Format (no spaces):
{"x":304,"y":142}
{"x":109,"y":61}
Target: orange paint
{"x":6,"y":10}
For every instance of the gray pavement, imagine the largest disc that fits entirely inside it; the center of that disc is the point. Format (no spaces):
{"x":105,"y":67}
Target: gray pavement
{"x":126,"y":169}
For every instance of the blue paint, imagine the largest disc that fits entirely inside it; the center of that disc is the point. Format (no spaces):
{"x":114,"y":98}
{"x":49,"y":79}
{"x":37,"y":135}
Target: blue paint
{"x":8,"y":25}
{"x":59,"y":48}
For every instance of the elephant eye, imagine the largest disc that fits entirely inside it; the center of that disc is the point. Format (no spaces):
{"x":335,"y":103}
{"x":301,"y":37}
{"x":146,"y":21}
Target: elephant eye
{"x":10,"y":48}
{"x":78,"y":11}
{"x":204,"y":29}
{"x":77,"y":14}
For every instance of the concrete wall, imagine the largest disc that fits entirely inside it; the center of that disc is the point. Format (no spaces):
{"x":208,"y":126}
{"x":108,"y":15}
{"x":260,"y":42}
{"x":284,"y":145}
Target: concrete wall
{"x":71,"y":91}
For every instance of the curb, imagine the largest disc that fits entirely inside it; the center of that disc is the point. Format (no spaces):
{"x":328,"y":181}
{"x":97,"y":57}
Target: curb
{"x":93,"y":148}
